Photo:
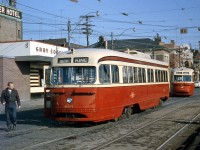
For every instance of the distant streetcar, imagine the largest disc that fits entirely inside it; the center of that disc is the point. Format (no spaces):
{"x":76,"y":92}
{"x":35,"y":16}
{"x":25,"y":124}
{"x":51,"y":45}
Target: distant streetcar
{"x":99,"y":84}
{"x":182,"y":82}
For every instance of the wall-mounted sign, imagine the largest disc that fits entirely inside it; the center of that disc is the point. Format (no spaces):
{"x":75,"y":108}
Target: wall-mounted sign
{"x":10,"y":12}
{"x":47,"y":50}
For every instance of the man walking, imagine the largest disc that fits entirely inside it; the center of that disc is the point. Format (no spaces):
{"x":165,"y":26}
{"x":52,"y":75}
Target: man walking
{"x":9,"y":97}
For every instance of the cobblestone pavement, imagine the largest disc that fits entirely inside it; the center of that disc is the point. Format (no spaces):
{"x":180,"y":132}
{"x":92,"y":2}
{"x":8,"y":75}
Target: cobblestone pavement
{"x":34,"y":131}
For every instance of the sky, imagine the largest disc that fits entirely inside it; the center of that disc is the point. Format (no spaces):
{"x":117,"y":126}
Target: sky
{"x":126,"y":19}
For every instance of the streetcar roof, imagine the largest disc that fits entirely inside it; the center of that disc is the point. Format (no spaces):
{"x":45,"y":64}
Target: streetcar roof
{"x":95,"y":55}
{"x":182,"y":69}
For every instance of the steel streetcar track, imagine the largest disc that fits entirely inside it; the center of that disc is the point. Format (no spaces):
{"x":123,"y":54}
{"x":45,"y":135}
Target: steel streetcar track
{"x":26,"y":131}
{"x":72,"y":136}
{"x":47,"y":142}
{"x":79,"y":134}
{"x":19,"y":132}
{"x":177,"y":133}
{"x":132,"y":131}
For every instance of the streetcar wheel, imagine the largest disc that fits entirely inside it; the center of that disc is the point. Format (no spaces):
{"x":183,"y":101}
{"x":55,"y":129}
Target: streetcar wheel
{"x":116,"y":119}
{"x":128,"y":112}
{"x":161,"y":103}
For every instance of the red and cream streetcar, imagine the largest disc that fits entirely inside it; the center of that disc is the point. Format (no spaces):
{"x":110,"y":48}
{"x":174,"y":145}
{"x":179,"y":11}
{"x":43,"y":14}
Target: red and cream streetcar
{"x":99,"y":84}
{"x":182,"y":82}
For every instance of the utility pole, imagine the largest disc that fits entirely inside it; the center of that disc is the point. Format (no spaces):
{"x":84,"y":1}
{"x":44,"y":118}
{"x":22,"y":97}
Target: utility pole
{"x":88,"y":30}
{"x":69,"y":30}
{"x":179,"y":56}
{"x":112,"y":40}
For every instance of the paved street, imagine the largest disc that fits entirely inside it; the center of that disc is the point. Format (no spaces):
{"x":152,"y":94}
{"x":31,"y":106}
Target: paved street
{"x":146,"y":130}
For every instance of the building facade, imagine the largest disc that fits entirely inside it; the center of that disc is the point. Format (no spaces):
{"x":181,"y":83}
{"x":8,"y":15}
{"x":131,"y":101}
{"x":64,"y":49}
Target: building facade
{"x":23,"y":62}
{"x":10,"y":24}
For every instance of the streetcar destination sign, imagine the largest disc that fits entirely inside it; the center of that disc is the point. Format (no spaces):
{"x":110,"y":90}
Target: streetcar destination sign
{"x":10,"y":12}
{"x":81,"y":60}
{"x":64,"y":60}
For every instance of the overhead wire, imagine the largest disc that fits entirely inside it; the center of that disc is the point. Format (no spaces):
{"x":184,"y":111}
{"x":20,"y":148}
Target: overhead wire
{"x":103,"y":19}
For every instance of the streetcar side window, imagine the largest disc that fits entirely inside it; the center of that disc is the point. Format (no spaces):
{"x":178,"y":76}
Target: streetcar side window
{"x":156,"y":75}
{"x":159,"y":76}
{"x":125,"y":74}
{"x":149,"y":75}
{"x":140,"y":75}
{"x":135,"y":74}
{"x":143,"y":75}
{"x":130,"y":75}
{"x":104,"y":73}
{"x":115,"y":73}
{"x":152,"y":75}
{"x":166,"y":76}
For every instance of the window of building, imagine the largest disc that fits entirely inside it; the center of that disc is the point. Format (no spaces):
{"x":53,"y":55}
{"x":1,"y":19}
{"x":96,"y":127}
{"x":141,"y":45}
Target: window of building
{"x":19,"y":34}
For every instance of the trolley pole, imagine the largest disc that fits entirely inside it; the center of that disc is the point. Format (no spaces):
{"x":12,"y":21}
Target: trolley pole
{"x":153,"y":52}
{"x":112,"y":40}
{"x":69,"y":30}
{"x":179,"y":56}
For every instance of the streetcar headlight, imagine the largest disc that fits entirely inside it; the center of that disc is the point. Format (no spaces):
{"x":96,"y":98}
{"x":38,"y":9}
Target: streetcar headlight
{"x":69,"y":100}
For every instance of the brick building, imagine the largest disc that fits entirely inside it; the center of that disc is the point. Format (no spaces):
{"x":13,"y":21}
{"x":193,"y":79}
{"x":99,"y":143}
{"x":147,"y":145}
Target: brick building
{"x":10,"y":24}
{"x":22,"y":62}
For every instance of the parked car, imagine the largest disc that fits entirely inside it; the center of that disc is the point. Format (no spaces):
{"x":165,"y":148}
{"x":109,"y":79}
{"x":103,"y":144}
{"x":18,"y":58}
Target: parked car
{"x":197,"y":84}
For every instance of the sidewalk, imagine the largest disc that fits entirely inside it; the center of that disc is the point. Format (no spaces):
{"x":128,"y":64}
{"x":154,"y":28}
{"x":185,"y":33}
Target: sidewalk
{"x":32,"y":103}
{"x":27,"y":104}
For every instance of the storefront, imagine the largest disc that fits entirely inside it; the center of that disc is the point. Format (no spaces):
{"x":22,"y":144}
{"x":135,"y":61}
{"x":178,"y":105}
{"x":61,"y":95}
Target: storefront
{"x":23,"y":62}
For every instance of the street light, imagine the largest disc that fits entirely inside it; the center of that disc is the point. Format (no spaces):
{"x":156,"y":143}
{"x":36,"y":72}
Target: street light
{"x":126,"y":30}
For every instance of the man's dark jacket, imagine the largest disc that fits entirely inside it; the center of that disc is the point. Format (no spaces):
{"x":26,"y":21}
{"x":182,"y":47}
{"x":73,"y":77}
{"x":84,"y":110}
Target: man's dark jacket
{"x":10,"y":98}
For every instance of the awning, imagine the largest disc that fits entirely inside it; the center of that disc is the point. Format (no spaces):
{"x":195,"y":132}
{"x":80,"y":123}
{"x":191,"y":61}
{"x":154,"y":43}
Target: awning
{"x":33,"y":58}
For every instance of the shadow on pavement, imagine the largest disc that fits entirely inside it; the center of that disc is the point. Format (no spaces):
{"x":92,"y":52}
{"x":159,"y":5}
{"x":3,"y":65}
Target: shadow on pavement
{"x":36,"y":117}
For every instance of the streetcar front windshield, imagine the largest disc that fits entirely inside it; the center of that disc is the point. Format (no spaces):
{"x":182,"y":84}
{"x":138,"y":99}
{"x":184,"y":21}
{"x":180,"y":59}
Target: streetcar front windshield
{"x":180,"y":78}
{"x":73,"y":75}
